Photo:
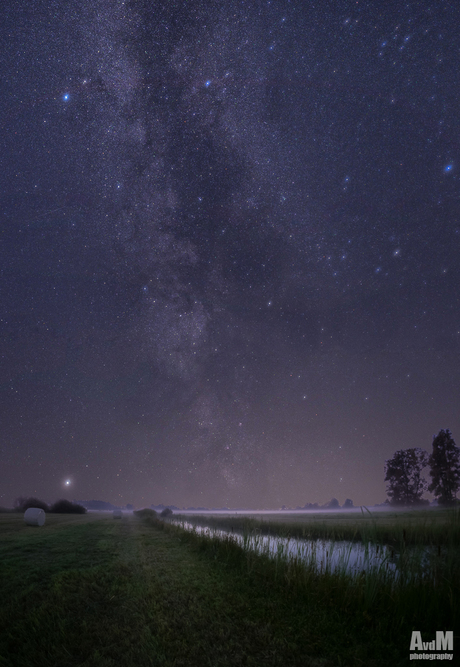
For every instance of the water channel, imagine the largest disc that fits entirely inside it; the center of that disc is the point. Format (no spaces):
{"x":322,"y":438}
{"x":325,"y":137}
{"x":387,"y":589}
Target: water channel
{"x":326,"y":555}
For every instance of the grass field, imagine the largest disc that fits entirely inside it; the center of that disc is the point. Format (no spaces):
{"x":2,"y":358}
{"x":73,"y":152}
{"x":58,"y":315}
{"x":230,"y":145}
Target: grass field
{"x":95,"y":592}
{"x":431,"y":526}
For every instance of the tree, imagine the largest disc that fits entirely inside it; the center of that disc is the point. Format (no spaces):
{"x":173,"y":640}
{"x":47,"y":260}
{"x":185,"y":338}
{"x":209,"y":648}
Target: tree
{"x":166,"y":513}
{"x":22,"y":504}
{"x":66,"y":507}
{"x":331,"y":505}
{"x":445,"y":468}
{"x":403,"y":474}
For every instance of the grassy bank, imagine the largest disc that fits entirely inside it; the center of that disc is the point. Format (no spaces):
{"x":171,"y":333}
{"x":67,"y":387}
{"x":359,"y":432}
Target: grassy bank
{"x":430,"y":527}
{"x":91,"y":591}
{"x":424,"y":590}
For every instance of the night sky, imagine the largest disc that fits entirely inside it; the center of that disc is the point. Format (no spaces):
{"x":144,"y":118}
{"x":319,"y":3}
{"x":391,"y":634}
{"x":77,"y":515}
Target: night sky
{"x":229,"y":247}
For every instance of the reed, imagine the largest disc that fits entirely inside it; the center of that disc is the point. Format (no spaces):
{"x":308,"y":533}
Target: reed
{"x":413,"y":585}
{"x":434,"y":527}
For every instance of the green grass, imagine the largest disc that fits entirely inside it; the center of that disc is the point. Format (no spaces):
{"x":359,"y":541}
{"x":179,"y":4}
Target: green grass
{"x":94,"y":592}
{"x":433,"y":526}
{"x":425,"y":585}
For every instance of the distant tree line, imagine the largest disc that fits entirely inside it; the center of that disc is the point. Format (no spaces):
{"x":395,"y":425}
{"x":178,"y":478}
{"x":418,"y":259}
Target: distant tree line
{"x":403,"y":472}
{"x":332,"y":504}
{"x":59,"y":507}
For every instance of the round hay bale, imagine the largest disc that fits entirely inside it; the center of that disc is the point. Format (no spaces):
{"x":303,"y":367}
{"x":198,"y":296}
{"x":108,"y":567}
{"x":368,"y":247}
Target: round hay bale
{"x":34,"y":516}
{"x":117,"y":514}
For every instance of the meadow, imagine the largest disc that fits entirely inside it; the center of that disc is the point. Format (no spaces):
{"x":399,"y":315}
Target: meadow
{"x":97,"y":592}
{"x":424,"y":526}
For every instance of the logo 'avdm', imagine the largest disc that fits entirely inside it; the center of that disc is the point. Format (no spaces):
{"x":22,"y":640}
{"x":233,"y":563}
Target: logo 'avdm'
{"x":444,"y":642}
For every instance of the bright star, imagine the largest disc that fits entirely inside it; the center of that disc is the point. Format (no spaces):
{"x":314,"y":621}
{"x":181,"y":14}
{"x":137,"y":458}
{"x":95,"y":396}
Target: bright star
{"x":208,"y":83}
{"x":65,"y":97}
{"x":448,"y":168}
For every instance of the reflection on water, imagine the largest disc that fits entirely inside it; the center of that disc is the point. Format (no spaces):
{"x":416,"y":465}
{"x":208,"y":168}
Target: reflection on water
{"x":326,"y":555}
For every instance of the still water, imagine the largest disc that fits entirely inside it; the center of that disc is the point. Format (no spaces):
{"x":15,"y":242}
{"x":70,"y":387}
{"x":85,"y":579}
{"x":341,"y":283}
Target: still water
{"x":326,"y":555}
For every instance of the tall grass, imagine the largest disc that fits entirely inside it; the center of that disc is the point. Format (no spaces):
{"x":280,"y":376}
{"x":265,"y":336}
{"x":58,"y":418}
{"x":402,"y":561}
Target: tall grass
{"x":423,"y":588}
{"x":429,"y":528}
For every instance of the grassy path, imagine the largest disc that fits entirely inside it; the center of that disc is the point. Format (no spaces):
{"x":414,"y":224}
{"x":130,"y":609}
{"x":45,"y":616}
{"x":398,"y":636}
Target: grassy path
{"x":104,"y":593}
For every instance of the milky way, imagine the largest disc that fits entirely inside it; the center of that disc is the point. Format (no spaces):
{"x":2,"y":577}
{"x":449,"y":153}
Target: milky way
{"x":230,"y":266}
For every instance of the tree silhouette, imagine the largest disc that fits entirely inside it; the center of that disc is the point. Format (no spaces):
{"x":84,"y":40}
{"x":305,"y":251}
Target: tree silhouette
{"x":166,"y":513}
{"x":445,"y":468}
{"x":67,"y":507}
{"x":403,"y":474}
{"x":22,"y":504}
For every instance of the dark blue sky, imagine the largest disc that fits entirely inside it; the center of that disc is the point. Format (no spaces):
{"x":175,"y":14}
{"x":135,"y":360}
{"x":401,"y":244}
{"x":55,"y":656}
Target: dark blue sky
{"x":229,"y":247}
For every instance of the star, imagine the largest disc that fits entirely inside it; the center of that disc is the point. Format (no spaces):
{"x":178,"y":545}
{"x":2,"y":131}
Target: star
{"x":210,"y":259}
